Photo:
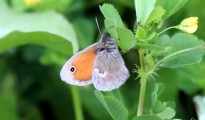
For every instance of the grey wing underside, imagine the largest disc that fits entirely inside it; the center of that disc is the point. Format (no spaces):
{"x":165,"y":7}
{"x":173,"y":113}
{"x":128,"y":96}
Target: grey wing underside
{"x":109,"y":72}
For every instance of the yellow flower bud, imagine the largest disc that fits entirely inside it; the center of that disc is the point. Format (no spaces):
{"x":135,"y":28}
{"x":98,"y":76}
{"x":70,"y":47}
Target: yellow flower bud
{"x":32,"y":2}
{"x":189,"y":25}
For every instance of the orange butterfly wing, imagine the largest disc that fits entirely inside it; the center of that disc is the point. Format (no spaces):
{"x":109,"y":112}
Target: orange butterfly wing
{"x":84,"y":64}
{"x":79,"y":68}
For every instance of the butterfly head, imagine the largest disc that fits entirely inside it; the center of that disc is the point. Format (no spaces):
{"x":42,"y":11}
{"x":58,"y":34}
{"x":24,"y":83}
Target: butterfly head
{"x":106,"y":37}
{"x":107,"y":43}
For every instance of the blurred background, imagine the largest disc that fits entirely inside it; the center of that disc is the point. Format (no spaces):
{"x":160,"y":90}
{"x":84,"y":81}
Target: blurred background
{"x":30,"y":85}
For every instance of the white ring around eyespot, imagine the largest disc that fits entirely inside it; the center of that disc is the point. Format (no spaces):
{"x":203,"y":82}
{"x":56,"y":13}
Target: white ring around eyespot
{"x":72,"y":67}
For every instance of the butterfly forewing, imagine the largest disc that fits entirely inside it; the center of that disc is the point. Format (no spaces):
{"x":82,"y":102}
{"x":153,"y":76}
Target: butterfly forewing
{"x":78,"y":70}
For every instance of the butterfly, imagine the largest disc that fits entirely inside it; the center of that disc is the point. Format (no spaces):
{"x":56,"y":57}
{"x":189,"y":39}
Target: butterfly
{"x":100,"y":63}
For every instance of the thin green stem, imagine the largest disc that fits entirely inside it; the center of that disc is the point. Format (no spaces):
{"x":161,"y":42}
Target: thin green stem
{"x":143,"y":81}
{"x":76,"y":103}
{"x":141,"y":55}
{"x":167,"y":29}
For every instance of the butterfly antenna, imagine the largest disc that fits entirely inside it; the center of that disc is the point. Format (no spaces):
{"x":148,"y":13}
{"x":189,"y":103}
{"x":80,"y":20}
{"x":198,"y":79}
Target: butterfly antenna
{"x":96,"y":20}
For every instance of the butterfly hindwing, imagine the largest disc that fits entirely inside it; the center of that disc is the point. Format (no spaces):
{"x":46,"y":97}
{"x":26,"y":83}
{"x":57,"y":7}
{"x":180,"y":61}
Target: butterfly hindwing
{"x":109,"y":72}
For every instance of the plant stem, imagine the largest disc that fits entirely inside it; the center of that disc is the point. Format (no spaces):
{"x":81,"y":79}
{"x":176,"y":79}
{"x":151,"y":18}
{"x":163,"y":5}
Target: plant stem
{"x":141,"y":55}
{"x":167,"y":29}
{"x":76,"y":103}
{"x":142,"y":94}
{"x":143,"y":81}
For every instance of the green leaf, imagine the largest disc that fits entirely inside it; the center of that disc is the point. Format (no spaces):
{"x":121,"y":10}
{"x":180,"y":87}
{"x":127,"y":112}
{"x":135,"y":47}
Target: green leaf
{"x":141,"y":33}
{"x":52,"y":57}
{"x":144,"y":9}
{"x":151,"y":38}
{"x":164,"y":41}
{"x":185,"y":81}
{"x":146,"y":117}
{"x":111,"y":13}
{"x":150,"y":47}
{"x":116,"y":109}
{"x":170,"y":6}
{"x":36,"y":28}
{"x":38,"y":38}
{"x":167,"y":113}
{"x":100,"y":97}
{"x":111,"y":29}
{"x":126,"y":40}
{"x":164,"y":110}
{"x":188,"y":43}
{"x":139,"y":9}
{"x":156,"y":14}
{"x":92,"y":104}
{"x":198,"y":77}
{"x":158,"y":89}
{"x":171,"y":104}
{"x":154,"y":97}
{"x":123,"y":37}
{"x":158,"y":107}
{"x":116,"y":94}
{"x":191,"y":78}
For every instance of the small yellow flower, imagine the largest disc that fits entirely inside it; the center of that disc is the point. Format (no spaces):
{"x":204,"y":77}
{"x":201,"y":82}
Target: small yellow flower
{"x":32,"y":2}
{"x":189,"y":25}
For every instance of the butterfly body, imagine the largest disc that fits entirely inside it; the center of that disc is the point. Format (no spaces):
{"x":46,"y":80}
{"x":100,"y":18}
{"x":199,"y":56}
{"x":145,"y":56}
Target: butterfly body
{"x":100,"y":64}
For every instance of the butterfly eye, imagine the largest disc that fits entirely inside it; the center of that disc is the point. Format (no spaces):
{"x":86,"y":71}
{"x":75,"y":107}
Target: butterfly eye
{"x":101,"y":49}
{"x":72,"y":69}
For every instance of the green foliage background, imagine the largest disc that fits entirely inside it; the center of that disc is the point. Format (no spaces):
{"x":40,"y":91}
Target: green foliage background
{"x":30,"y":86}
